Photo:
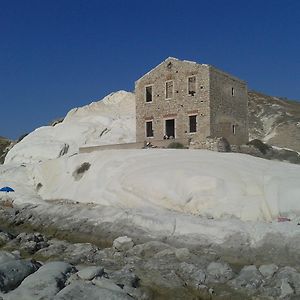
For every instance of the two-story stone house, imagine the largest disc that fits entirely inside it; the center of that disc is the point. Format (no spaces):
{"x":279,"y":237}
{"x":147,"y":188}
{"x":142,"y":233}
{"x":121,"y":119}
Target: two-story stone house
{"x":186,"y":100}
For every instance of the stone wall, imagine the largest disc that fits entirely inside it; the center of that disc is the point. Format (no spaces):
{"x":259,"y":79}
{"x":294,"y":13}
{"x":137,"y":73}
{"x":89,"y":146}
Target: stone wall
{"x":218,"y":144}
{"x":227,"y":108}
{"x":180,"y":106}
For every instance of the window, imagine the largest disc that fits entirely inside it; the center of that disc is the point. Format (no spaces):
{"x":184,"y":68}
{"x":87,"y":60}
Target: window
{"x":193,"y":123}
{"x":192,"y":85}
{"x":170,"y":128}
{"x":148,"y":93}
{"x":149,"y":129}
{"x":169,"y":89}
{"x":233,"y":129}
{"x":232,"y":91}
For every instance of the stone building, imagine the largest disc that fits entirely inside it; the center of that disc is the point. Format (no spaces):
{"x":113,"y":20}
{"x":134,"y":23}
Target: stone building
{"x":189,"y":101}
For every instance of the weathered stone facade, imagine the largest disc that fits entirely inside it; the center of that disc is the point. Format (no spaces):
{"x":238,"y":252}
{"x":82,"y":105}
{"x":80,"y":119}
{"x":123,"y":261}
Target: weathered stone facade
{"x":186,"y":100}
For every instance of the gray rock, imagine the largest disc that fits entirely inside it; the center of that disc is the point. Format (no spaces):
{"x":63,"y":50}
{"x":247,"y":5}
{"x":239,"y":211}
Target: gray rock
{"x":249,"y":278}
{"x":292,"y":276}
{"x":44,"y":283}
{"x":123,"y":243}
{"x":103,"y":290}
{"x":55,"y":249}
{"x":14,"y":271}
{"x":81,"y":253}
{"x":182,"y":254}
{"x":191,"y":274}
{"x":90,"y":272}
{"x":6,"y":256}
{"x":286,"y":289}
{"x":29,"y":247}
{"x":148,"y":249}
{"x":219,"y":272}
{"x":126,"y":276}
{"x":4,"y":238}
{"x":30,"y":237}
{"x":268,"y":270}
{"x":164,"y":253}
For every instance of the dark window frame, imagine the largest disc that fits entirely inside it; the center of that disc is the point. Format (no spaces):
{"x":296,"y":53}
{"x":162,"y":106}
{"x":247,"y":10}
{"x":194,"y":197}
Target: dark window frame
{"x":149,"y":94}
{"x":193,"y":126}
{"x":149,"y":130}
{"x":191,"y":91}
{"x":166,"y":89}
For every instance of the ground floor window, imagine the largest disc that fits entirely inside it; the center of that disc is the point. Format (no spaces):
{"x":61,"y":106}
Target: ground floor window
{"x":170,"y":128}
{"x":149,"y":129}
{"x":193,"y":123}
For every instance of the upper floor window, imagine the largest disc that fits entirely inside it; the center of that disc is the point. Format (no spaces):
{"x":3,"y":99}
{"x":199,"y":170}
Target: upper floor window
{"x":149,"y":93}
{"x":234,"y":129}
{"x":169,"y":89}
{"x":192,"y":85}
{"x":232,"y":91}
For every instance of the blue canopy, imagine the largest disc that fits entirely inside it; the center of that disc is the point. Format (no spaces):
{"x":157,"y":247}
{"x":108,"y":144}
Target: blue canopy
{"x":7,"y":189}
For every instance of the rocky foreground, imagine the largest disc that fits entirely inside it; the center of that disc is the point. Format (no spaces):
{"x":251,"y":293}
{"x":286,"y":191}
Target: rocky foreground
{"x":33,"y":266}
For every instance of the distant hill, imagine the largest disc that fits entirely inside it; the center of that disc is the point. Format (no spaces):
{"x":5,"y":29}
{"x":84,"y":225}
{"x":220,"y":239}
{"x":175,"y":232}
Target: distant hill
{"x":274,"y":120}
{"x":4,"y":147}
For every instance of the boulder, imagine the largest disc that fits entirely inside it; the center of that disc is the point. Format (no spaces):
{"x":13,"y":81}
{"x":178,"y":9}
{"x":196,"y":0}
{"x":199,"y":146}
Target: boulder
{"x":123,"y":243}
{"x":219,"y":272}
{"x":43,"y":284}
{"x":4,"y":238}
{"x":191,"y":274}
{"x":182,"y":254}
{"x":148,"y":249}
{"x":249,"y":278}
{"x":6,"y":256}
{"x":291,"y":275}
{"x":13,"y":272}
{"x":286,"y":289}
{"x":268,"y":270}
{"x":90,"y":272}
{"x":101,"y":289}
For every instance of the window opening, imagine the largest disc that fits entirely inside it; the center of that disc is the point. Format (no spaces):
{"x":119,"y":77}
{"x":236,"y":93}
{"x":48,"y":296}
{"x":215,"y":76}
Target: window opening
{"x":234,"y":129}
{"x":170,"y":128}
{"x":232,"y":91}
{"x":169,"y":89}
{"x":192,"y":85}
{"x":193,"y":123}
{"x":149,"y":129}
{"x":149,"y":93}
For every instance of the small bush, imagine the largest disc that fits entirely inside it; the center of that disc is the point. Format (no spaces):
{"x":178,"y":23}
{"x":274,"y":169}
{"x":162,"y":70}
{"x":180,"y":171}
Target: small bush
{"x":79,"y":172}
{"x":176,"y":145}
{"x":39,"y":186}
{"x":258,"y":144}
{"x":84,"y":167}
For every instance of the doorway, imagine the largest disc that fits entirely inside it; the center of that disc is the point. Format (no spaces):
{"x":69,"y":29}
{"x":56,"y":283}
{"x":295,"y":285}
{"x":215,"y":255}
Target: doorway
{"x":170,"y":128}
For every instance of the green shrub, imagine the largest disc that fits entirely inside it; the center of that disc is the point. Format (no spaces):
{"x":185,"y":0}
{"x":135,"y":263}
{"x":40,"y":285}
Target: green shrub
{"x":176,"y":145}
{"x":261,"y":146}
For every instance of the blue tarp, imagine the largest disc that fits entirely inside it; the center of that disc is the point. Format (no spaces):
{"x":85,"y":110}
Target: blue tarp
{"x":7,"y":189}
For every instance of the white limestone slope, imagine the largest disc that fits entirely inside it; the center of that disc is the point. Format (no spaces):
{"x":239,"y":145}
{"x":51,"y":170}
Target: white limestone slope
{"x":218,"y":185}
{"x":149,"y":182}
{"x":109,"y":121}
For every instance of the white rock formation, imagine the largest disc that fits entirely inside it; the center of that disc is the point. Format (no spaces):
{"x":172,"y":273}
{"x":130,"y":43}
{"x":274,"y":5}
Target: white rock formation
{"x":110,"y":121}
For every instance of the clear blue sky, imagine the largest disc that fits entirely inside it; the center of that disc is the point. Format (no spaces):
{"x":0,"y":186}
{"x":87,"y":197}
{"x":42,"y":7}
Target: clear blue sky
{"x":59,"y":54}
